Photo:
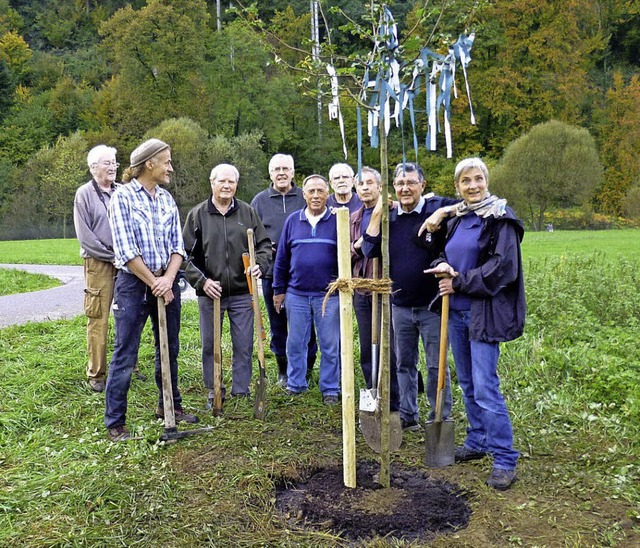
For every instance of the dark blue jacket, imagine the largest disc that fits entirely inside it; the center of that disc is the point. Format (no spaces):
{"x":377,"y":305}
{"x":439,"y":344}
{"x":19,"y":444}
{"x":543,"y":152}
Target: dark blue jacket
{"x":496,"y":285}
{"x":307,"y":257}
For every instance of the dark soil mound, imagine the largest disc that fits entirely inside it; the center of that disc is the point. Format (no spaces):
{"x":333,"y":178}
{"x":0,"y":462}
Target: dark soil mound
{"x":414,"y":506}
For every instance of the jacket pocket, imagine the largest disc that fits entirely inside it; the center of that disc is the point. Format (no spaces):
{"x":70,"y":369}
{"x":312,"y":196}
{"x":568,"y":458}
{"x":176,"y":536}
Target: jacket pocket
{"x":92,"y":304}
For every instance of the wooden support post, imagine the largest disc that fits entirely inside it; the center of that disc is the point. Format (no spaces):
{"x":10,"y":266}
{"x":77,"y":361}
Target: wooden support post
{"x":346,"y":351}
{"x":385,"y":356}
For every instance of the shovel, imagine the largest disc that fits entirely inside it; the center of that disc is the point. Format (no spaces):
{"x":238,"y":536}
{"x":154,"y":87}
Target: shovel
{"x":370,"y":412}
{"x":170,"y":431}
{"x":216,"y":408}
{"x":369,"y":396}
{"x":261,"y":383}
{"x":440,"y":440}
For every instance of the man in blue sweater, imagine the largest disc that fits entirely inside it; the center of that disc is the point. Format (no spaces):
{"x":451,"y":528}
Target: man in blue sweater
{"x":413,"y":291}
{"x":306,"y":263}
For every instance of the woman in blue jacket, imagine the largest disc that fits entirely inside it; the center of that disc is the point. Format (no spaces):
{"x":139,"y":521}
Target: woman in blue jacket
{"x":481,"y":268}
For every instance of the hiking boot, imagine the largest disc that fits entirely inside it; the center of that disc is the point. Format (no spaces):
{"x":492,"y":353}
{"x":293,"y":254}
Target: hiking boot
{"x":501,"y":479}
{"x":464,"y":454}
{"x":180,"y":415}
{"x":96,"y":385}
{"x":119,"y":433}
{"x":330,"y":400}
{"x":410,"y":426}
{"x":290,"y":392}
{"x":282,"y":380}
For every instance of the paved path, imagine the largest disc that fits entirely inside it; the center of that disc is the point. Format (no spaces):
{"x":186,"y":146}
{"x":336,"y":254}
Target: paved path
{"x":65,"y":301}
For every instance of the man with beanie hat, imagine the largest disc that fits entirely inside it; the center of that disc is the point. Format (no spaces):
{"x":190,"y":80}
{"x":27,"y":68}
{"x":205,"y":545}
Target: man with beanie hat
{"x":148,"y":247}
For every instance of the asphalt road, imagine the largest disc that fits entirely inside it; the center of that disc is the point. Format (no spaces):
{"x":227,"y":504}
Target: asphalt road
{"x":65,"y":301}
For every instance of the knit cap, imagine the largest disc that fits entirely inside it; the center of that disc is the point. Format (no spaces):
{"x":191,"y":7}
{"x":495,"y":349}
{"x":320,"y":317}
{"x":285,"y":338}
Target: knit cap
{"x":147,"y":150}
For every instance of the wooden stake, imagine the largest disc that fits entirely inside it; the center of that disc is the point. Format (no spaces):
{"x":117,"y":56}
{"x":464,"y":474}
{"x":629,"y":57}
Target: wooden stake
{"x":346,"y":351}
{"x":385,"y":356}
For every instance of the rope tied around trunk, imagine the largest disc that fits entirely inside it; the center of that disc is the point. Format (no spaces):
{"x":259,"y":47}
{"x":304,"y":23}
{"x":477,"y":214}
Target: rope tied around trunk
{"x":382,"y":286}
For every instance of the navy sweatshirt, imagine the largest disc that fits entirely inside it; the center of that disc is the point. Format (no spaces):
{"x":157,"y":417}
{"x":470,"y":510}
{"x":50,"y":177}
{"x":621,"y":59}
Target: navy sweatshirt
{"x":307,"y":258}
{"x":410,"y":255}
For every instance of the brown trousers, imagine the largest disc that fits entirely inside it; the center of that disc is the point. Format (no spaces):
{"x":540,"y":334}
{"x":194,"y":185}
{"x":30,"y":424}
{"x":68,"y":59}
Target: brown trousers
{"x":99,"y":278}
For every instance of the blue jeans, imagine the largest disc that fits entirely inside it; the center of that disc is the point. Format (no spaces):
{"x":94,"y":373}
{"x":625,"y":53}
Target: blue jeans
{"x":476,"y":365}
{"x":240,"y":312}
{"x":278,"y":326}
{"x":409,"y":325}
{"x":133,"y":303}
{"x":302,"y":313}
{"x":362,"y":305}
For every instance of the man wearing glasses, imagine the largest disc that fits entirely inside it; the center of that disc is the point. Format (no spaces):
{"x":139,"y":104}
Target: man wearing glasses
{"x":413,"y":291}
{"x":273,"y":205}
{"x":96,"y":248}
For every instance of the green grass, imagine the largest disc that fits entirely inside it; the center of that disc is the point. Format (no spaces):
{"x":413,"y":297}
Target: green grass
{"x":581,"y":242}
{"x":573,"y":389}
{"x":40,"y":252}
{"x":17,"y":281}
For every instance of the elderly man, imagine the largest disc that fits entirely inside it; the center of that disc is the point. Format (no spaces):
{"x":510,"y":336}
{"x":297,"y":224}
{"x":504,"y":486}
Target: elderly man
{"x":273,"y":205}
{"x":149,"y":251}
{"x":216,"y":231}
{"x":96,"y":248}
{"x":306,"y":263}
{"x":413,"y":291}
{"x":368,"y":187}
{"x":342,"y":180}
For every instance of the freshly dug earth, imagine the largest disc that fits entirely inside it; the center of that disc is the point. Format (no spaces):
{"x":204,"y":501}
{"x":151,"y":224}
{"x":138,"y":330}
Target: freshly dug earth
{"x":415,"y":506}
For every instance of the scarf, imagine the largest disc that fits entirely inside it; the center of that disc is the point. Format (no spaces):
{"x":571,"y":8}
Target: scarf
{"x":490,"y":206}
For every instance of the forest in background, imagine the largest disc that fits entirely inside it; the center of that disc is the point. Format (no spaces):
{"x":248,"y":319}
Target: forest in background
{"x":76,"y":73}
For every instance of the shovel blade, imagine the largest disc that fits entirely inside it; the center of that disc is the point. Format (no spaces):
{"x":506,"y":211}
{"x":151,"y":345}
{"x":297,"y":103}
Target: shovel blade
{"x":371,"y":430}
{"x":440,"y":444}
{"x":261,"y":392}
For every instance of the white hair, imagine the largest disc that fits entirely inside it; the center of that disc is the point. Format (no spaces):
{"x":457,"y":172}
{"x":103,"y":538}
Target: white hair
{"x":98,"y":152}
{"x":220,"y":167}
{"x":336,"y":167}
{"x":277,"y":157}
{"x":470,"y":163}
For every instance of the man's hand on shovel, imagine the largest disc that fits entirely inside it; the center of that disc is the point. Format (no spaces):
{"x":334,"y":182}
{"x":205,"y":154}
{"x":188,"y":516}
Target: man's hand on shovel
{"x":446,"y":273}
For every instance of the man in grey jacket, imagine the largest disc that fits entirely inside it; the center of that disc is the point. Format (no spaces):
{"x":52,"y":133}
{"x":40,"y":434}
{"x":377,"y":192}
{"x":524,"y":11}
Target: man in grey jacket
{"x":273,"y":205}
{"x":96,"y":248}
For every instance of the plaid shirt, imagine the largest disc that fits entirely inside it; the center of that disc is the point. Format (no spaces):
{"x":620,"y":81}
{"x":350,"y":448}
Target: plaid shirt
{"x":145,"y":227}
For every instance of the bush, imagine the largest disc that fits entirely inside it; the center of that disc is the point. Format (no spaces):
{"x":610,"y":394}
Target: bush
{"x":585,"y":219}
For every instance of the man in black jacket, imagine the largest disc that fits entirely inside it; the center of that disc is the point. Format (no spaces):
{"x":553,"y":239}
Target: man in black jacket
{"x":216,"y":231}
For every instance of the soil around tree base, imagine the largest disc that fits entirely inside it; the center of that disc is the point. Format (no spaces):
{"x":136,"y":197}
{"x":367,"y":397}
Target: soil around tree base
{"x":415,"y":506}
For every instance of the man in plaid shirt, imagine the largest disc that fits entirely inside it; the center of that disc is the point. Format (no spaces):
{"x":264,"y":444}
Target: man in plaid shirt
{"x":148,"y":246}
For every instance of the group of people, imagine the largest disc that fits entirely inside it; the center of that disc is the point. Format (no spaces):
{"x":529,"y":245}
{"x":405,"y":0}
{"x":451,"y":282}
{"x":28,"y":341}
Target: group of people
{"x":468,"y":246}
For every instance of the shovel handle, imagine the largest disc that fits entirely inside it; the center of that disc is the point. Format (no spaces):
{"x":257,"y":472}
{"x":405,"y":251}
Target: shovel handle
{"x":442,"y":361}
{"x":216,"y":409}
{"x":165,"y":367}
{"x":259,"y":328}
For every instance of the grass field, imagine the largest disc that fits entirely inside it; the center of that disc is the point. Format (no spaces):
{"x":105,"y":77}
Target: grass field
{"x":572,"y":383}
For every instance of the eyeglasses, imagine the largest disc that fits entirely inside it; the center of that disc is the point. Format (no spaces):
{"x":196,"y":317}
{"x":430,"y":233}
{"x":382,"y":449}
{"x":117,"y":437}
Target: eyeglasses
{"x":400,"y":184}
{"x":109,"y":164}
{"x":280,"y":169}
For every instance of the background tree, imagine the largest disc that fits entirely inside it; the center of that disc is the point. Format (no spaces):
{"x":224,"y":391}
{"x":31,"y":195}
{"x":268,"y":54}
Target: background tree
{"x":620,"y":142}
{"x":158,"y":55}
{"x":553,"y":165}
{"x":60,"y":179}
